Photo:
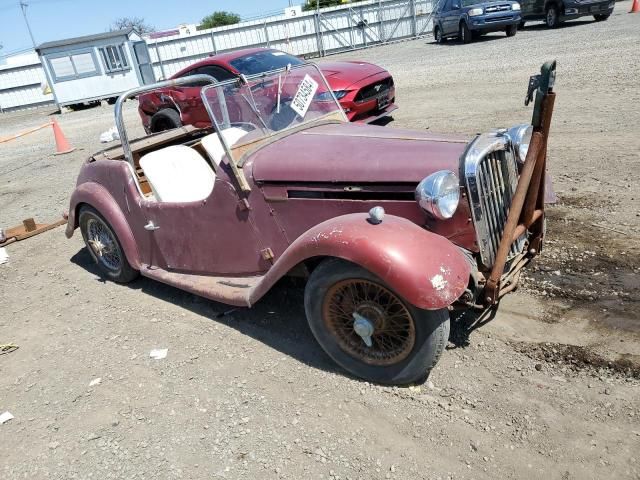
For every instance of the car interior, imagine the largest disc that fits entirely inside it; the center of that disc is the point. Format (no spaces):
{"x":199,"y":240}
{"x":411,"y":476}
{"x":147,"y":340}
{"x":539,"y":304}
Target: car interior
{"x":181,"y":173}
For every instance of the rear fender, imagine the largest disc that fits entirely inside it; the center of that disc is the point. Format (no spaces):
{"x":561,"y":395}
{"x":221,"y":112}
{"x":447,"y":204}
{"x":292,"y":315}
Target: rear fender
{"x":96,"y":196}
{"x":426,"y":269}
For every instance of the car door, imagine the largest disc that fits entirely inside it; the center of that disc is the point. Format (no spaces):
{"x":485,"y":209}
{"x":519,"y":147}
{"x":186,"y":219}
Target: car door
{"x":451,"y":14}
{"x":216,"y":236}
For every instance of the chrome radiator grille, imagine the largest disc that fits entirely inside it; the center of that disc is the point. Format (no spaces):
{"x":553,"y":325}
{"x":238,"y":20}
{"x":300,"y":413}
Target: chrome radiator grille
{"x":491,"y":175}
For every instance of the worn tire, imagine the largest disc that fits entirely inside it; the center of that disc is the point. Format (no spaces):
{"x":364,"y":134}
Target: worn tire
{"x":601,"y":18}
{"x":551,"y":17}
{"x":430,"y":328}
{"x":165,"y":119}
{"x":511,"y":30}
{"x":125,"y":273}
{"x":464,"y":34}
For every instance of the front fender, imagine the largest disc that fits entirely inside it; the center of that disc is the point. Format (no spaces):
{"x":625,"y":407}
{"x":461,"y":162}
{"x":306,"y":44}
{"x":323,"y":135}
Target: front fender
{"x":98,"y":197}
{"x":426,"y":269}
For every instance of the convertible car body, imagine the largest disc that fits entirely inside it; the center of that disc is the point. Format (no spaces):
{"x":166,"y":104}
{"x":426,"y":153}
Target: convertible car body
{"x":391,"y":228}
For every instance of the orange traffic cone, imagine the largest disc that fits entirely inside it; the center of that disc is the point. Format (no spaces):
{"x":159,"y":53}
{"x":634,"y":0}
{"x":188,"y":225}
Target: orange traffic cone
{"x":635,"y":8}
{"x":62,"y":144}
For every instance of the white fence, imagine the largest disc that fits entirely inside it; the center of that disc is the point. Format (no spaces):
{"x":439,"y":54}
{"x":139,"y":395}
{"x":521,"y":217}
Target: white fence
{"x":311,"y":34}
{"x":21,"y":86}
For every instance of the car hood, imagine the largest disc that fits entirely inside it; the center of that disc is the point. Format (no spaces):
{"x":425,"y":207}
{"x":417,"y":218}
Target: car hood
{"x":355,"y":153}
{"x":342,"y":75}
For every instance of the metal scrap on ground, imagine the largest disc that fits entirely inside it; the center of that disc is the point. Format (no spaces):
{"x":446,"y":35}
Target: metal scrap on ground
{"x":28,"y":229}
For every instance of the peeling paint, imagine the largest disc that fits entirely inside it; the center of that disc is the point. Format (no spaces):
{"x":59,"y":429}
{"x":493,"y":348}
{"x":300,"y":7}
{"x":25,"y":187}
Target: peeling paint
{"x":438,"y":282}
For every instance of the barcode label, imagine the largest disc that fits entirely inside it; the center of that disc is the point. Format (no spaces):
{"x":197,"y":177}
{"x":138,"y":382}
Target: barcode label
{"x":304,"y":95}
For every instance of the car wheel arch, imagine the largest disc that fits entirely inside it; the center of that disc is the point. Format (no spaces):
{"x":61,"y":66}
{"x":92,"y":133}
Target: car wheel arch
{"x":391,"y":255}
{"x":97,"y":197}
{"x":556,"y":4}
{"x":161,"y":114}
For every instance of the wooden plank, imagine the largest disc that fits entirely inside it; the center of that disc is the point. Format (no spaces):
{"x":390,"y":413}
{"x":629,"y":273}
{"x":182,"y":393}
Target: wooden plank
{"x":28,"y":229}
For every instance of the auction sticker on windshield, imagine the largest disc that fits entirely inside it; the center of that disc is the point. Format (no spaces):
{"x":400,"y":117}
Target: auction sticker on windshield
{"x":304,"y":95}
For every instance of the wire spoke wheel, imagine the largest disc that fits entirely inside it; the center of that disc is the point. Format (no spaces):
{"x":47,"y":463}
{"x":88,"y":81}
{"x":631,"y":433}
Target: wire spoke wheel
{"x":104,"y":245}
{"x":390,"y":329}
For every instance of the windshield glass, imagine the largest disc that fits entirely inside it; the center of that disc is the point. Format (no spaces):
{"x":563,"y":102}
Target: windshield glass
{"x":468,"y":3}
{"x":264,"y":61}
{"x":269,"y":103}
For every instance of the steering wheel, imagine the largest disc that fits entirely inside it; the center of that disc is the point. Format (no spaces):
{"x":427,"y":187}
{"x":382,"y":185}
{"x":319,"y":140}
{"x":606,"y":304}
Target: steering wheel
{"x":284,"y":118}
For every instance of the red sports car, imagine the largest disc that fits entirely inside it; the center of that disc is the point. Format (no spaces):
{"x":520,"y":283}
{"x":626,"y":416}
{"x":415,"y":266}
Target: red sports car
{"x":365,"y":91}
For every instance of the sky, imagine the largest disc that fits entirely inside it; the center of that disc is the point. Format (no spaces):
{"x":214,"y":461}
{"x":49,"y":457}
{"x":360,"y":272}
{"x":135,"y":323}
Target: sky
{"x":59,"y":19}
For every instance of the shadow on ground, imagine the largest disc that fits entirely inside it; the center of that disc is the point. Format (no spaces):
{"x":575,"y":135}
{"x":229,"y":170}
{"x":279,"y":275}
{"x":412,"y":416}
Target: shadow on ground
{"x":278,"y":319}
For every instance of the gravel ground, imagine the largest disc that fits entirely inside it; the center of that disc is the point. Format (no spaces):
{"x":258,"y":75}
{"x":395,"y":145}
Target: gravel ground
{"x":548,"y":389}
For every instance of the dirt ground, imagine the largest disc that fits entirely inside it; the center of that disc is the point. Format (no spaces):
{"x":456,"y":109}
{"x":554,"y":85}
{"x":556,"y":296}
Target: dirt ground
{"x":548,"y":387}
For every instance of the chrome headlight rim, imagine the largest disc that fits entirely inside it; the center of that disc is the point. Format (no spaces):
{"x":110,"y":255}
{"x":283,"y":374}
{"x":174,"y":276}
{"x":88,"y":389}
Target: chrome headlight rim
{"x":520,"y":138}
{"x":438,"y":194}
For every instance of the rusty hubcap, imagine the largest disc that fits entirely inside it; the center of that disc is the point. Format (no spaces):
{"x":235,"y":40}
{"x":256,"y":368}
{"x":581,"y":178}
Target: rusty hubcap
{"x":369,"y":322}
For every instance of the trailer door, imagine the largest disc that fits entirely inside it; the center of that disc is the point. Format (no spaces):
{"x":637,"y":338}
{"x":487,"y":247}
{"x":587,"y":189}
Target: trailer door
{"x":144,"y":62}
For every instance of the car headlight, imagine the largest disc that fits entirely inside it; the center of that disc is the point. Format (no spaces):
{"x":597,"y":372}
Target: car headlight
{"x":515,"y":6}
{"x":439,"y":194}
{"x":520,"y":136}
{"x":474,"y":12}
{"x":325,"y":96}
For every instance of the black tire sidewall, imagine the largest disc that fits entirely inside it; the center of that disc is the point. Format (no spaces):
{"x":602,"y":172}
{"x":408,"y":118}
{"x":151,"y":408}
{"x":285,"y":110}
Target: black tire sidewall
{"x":465,"y":33}
{"x":165,"y":115}
{"x":126,"y":273}
{"x":546,"y":18}
{"x":437,"y":34}
{"x":431,"y":329}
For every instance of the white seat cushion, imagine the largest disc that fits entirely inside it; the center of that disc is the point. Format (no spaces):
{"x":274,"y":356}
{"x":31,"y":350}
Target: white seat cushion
{"x":213,"y":145}
{"x":178,"y":174}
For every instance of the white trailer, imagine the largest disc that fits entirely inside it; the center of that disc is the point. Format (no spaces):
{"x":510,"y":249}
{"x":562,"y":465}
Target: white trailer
{"x":92,"y":68}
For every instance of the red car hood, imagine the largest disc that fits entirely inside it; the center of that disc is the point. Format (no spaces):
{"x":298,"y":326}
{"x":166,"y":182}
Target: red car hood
{"x":341,"y":75}
{"x":357,"y":153}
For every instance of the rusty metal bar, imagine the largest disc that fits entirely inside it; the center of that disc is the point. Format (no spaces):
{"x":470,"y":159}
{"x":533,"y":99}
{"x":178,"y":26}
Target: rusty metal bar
{"x":535,"y":196}
{"x":520,"y":229}
{"x":527,"y":207}
{"x":533,"y":156}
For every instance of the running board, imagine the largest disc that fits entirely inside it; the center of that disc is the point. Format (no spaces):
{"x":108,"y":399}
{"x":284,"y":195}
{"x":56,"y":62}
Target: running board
{"x":234,"y":291}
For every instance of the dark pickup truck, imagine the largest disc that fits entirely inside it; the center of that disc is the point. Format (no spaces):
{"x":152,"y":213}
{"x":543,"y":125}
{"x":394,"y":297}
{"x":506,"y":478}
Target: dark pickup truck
{"x":468,"y":19}
{"x":553,"y":12}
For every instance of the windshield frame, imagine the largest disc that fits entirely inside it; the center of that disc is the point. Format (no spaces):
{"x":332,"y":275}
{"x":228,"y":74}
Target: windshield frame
{"x":235,"y":165}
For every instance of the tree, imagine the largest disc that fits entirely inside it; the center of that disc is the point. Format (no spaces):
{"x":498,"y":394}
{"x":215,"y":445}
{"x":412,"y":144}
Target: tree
{"x":311,"y":4}
{"x":219,"y":19}
{"x":137,"y":23}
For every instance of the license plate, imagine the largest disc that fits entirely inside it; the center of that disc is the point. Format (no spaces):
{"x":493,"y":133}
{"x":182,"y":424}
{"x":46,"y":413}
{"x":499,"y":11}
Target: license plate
{"x":595,"y":8}
{"x":383,"y":101}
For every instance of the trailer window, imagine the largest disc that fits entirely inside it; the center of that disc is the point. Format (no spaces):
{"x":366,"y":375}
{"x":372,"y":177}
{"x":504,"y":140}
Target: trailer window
{"x":114,"y":58}
{"x":73,"y":65}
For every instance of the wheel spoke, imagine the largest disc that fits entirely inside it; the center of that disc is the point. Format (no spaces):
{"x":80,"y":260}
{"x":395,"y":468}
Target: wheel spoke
{"x":103,"y":244}
{"x":393,"y":326}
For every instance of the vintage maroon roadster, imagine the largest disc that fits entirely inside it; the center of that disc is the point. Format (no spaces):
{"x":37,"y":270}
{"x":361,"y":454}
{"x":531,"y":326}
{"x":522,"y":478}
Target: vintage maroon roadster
{"x":391,"y":228}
